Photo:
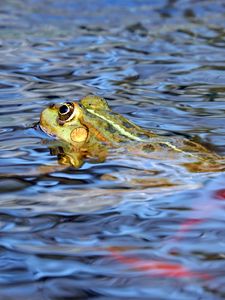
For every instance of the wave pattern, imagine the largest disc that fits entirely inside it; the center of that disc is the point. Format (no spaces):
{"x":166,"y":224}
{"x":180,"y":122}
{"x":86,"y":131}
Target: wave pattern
{"x":115,"y":229}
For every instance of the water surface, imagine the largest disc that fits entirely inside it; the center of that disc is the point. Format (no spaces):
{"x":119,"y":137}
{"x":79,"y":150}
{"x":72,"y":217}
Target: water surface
{"x":69,"y":234}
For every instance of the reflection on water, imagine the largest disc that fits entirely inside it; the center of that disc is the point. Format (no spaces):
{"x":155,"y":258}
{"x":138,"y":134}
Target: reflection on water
{"x":112,"y":229}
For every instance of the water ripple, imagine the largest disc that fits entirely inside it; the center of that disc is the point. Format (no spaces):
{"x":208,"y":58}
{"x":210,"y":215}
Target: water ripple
{"x":97,"y":232}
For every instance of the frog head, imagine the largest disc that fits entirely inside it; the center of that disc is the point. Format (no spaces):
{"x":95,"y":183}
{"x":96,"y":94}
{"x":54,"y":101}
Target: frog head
{"x":62,"y":121}
{"x":88,"y":120}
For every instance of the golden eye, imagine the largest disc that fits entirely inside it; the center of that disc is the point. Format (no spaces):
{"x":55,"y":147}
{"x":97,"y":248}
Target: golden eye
{"x":66,"y":112}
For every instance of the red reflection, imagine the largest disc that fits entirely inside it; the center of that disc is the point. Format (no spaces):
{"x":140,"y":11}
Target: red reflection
{"x":169,"y":269}
{"x":157,"y":268}
{"x":186,"y":226}
{"x":220,"y":194}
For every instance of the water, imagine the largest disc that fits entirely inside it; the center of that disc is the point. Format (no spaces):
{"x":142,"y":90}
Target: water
{"x":112,"y":230}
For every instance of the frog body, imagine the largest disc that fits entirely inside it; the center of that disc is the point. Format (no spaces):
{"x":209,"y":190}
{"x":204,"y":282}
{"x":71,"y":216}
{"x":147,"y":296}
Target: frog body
{"x":90,"y":128}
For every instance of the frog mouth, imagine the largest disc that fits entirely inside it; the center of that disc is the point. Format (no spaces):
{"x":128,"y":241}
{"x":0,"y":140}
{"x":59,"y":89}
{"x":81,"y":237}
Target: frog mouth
{"x":46,"y":131}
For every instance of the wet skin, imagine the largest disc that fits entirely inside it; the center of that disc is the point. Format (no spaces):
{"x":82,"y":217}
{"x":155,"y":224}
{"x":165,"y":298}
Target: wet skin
{"x":88,"y":128}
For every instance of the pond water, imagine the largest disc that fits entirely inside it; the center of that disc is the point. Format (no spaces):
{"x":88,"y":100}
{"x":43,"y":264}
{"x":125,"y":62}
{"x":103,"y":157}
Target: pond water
{"x":111,"y":230}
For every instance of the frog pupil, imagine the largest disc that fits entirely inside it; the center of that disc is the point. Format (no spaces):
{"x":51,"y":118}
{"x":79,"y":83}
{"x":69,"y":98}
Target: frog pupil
{"x":64,"y":109}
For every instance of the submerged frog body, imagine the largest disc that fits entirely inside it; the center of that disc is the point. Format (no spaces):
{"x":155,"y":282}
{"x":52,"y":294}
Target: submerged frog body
{"x":88,"y":128}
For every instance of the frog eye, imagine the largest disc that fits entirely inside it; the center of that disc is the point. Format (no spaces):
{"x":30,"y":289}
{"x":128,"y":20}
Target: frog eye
{"x":66,"y":112}
{"x":64,"y":109}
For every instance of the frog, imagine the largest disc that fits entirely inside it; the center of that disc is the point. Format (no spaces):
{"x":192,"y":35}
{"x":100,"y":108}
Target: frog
{"x":89,"y":128}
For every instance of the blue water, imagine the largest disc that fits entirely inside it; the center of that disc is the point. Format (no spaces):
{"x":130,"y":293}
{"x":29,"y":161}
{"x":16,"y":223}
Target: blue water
{"x":68,"y":233}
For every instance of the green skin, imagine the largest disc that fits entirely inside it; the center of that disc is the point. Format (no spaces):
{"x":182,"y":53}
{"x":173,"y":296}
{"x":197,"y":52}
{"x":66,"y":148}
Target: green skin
{"x":94,"y":114}
{"x":105,"y":129}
